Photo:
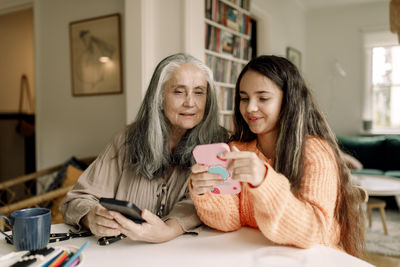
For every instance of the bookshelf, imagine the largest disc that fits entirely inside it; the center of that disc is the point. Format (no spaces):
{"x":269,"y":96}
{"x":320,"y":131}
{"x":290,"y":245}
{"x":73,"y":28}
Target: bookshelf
{"x":228,"y":47}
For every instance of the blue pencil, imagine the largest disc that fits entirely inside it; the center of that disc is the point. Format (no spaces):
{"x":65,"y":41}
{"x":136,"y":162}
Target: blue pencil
{"x":52,"y":259}
{"x":76,"y":255}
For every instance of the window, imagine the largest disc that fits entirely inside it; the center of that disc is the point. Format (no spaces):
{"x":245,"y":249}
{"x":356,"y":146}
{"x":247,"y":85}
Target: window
{"x":386,"y":87}
{"x":382,"y":91}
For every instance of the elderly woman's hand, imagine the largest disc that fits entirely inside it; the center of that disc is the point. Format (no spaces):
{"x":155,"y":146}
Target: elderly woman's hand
{"x":203,"y":181}
{"x":100,"y":222}
{"x":154,"y":230}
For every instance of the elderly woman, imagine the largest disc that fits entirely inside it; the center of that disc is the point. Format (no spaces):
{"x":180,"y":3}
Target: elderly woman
{"x":149,"y":162}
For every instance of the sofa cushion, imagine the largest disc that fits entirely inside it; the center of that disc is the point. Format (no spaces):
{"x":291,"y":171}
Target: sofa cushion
{"x":392,"y":147}
{"x":393,"y":173}
{"x":368,"y":172}
{"x":370,"y":151}
{"x":71,"y":177}
{"x":58,"y":180}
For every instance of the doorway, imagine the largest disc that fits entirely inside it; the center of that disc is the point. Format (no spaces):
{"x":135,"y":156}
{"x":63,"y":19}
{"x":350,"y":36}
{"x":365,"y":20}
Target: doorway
{"x":17,"y":151}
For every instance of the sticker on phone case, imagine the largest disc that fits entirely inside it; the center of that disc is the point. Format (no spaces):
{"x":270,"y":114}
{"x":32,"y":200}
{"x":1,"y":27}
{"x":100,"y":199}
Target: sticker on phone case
{"x":210,"y":155}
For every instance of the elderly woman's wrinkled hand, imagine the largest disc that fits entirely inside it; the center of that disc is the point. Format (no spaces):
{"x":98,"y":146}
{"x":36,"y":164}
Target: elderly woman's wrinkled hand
{"x":202,"y":181}
{"x":154,"y":230}
{"x":100,"y":222}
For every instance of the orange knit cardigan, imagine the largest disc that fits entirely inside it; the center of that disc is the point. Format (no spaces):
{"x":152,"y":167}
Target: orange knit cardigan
{"x":300,"y":220}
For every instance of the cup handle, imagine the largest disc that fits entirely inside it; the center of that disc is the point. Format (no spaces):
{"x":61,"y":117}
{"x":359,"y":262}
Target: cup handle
{"x":9,"y":238}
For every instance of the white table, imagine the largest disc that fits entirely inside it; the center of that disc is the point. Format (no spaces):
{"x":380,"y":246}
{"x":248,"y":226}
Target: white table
{"x":379,"y":185}
{"x":210,"y":248}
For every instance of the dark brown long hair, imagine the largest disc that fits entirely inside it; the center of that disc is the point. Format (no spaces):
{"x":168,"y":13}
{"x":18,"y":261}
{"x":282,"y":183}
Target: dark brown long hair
{"x":300,"y":117}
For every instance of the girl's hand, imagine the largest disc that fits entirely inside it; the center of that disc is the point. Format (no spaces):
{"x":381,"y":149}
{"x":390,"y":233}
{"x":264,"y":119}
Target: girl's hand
{"x":203,"y":181}
{"x":154,"y":230}
{"x":100,"y":221}
{"x":246,"y":166}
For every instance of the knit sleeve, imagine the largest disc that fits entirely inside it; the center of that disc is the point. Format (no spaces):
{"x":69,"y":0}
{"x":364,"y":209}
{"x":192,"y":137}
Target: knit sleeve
{"x":303,"y":219}
{"x":218,"y":212}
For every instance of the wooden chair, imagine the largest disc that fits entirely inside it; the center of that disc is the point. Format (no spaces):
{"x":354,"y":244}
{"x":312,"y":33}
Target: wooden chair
{"x":374,"y":203}
{"x":363,"y":203}
{"x":32,"y":200}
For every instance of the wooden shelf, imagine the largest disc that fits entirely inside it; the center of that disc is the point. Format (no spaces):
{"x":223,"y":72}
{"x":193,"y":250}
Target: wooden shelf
{"x":222,"y":27}
{"x":230,"y":85}
{"x":245,"y":11}
{"x":226,"y":56}
{"x":226,"y":112}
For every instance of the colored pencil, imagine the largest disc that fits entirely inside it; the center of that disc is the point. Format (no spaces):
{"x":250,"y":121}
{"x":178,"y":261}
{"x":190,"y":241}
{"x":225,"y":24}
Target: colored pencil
{"x":76,"y":255}
{"x":59,"y":259}
{"x":47,"y":264}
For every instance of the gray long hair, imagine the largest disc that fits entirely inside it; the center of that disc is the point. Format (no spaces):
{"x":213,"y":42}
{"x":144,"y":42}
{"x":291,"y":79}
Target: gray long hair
{"x":147,"y":137}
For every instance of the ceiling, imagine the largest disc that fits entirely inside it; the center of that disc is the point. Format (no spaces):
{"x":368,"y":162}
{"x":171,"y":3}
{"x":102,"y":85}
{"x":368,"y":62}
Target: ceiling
{"x":313,"y":4}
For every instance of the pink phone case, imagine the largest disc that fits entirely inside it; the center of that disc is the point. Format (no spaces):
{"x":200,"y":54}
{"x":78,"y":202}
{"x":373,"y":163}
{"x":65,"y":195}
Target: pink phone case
{"x":208,"y":155}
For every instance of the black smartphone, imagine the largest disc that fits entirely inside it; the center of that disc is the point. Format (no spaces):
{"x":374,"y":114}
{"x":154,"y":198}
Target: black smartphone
{"x":128,"y":209}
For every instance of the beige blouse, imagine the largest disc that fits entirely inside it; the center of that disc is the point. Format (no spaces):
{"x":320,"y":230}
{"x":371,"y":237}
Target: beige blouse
{"x":108,"y":177}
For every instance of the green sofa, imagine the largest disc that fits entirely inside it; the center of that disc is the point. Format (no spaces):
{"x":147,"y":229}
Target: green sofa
{"x":380,"y":155}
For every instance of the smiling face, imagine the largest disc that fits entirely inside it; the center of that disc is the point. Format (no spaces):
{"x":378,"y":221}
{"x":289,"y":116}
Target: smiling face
{"x":260,"y":103}
{"x":185,"y":95}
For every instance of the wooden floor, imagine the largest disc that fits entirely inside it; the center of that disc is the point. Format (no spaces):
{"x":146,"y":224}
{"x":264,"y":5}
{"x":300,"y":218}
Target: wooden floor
{"x":382,"y":261}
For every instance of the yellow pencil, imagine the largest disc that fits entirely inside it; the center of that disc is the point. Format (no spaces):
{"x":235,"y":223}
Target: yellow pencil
{"x":59,"y":259}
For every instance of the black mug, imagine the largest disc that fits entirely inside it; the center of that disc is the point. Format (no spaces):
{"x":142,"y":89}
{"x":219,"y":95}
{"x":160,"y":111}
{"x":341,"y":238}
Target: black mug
{"x":30,"y":228}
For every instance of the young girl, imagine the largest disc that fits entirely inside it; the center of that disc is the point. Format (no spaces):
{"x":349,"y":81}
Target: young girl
{"x":295,"y":185}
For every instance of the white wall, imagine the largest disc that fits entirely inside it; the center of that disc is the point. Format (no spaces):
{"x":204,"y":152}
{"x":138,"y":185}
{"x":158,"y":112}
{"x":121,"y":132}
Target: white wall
{"x":154,"y":30}
{"x":280,"y":24}
{"x":82,"y":126}
{"x":66,"y":125}
{"x":159,"y":35}
{"x":335,"y":35}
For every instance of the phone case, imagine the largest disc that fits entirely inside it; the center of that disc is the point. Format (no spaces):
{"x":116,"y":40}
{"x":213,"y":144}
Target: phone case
{"x":209,"y":155}
{"x":128,"y":209}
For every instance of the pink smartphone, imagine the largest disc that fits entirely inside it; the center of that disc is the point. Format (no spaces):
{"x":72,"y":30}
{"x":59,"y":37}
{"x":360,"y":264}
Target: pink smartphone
{"x":209,"y":155}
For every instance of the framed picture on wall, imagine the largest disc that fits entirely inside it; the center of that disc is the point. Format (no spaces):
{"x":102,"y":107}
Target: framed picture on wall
{"x":96,"y":65}
{"x":294,"y":56}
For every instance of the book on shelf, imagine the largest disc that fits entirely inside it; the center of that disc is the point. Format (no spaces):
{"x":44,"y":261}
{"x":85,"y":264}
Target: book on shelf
{"x":226,"y":98}
{"x":245,"y":25}
{"x":221,"y":41}
{"x":236,"y":47}
{"x":228,"y":71}
{"x":227,"y":42}
{"x":245,"y":52}
{"x":227,"y":16}
{"x":227,"y":121}
{"x":231,"y":16}
{"x":236,"y":69}
{"x":245,"y":4}
{"x":207,"y":36}
{"x":208,"y":9}
{"x":225,"y":71}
